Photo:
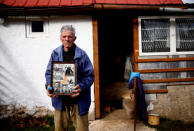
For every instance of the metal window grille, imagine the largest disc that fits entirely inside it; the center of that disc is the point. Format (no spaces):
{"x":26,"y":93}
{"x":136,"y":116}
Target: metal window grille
{"x":155,"y":35}
{"x":185,"y":34}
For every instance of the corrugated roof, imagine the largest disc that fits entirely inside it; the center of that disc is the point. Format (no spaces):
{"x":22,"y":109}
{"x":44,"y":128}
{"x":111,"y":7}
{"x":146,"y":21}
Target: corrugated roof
{"x":45,"y":3}
{"x":60,"y":3}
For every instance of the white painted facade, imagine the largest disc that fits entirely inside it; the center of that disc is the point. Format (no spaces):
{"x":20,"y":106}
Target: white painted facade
{"x":23,"y":59}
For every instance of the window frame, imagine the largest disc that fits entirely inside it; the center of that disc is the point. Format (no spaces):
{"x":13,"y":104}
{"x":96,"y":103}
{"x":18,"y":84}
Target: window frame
{"x":30,"y":34}
{"x":172,"y":36}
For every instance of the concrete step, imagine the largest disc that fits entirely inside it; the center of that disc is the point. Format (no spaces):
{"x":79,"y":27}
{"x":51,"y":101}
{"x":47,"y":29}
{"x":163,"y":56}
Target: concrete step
{"x":111,"y":125}
{"x":117,"y":121}
{"x":118,"y":125}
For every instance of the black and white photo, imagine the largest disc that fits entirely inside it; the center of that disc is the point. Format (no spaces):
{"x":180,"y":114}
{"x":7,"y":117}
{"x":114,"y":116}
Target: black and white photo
{"x":63,"y":78}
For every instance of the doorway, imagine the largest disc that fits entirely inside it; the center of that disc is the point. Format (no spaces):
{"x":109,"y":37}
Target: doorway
{"x":115,"y":35}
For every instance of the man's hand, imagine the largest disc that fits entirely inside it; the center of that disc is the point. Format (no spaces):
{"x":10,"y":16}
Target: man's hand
{"x":48,"y":94}
{"x":76,"y":91}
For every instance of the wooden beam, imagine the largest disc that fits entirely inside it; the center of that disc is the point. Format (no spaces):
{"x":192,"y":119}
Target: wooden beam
{"x":168,"y":80}
{"x":135,"y":44}
{"x":96,"y":68}
{"x":165,"y":70}
{"x":165,"y":59}
{"x":155,"y":91}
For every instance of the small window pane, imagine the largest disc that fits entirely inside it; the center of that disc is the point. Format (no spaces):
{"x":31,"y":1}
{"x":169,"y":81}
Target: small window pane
{"x":37,"y":26}
{"x":155,"y":35}
{"x":185,"y":34}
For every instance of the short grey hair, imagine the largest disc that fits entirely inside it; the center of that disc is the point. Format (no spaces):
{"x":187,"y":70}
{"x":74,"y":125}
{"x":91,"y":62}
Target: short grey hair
{"x":68,"y":28}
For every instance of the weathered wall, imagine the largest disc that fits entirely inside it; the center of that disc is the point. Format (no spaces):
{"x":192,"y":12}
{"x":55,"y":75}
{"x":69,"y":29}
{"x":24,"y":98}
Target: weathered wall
{"x":23,"y":60}
{"x":177,"y":104}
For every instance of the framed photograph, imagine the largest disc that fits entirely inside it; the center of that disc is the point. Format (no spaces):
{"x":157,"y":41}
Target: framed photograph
{"x":63,"y":77}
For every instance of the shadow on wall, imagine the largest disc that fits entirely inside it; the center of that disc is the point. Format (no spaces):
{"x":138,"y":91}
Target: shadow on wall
{"x":5,"y":91}
{"x":13,"y":80}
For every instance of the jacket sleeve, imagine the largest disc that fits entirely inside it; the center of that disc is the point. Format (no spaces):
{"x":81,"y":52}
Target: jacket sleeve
{"x":48,"y":70}
{"x":87,"y":74}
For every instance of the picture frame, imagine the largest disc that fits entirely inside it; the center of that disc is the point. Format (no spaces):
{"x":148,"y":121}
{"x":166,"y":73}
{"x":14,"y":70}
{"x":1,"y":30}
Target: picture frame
{"x":63,"y":77}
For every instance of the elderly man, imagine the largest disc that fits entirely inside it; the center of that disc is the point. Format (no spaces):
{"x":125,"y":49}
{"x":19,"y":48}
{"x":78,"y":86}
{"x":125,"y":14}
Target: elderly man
{"x":76,"y":106}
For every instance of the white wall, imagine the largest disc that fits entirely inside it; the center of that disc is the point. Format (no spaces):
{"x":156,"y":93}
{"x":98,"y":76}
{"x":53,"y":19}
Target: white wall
{"x":23,"y":60}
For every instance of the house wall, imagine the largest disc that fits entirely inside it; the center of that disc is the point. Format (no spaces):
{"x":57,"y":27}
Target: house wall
{"x":171,"y":88}
{"x":23,"y":60}
{"x":177,"y":104}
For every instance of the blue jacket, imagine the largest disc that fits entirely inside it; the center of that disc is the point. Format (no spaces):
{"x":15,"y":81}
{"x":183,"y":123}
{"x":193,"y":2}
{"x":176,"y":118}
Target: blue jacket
{"x":85,"y":77}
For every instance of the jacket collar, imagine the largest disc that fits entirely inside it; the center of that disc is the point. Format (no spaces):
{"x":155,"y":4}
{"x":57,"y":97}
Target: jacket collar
{"x":77,"y":53}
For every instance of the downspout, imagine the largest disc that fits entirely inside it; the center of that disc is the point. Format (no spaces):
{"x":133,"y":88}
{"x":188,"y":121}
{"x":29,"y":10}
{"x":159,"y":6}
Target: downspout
{"x":123,"y":7}
{"x":143,"y":7}
{"x":176,"y":10}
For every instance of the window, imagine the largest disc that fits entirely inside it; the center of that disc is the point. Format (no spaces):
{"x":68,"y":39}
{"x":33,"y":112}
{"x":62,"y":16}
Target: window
{"x":166,"y":35}
{"x":155,"y":35}
{"x":184,"y":34}
{"x":36,"y":26}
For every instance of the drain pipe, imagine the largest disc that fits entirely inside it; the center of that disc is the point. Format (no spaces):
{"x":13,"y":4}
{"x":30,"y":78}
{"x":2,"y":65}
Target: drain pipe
{"x":176,"y":10}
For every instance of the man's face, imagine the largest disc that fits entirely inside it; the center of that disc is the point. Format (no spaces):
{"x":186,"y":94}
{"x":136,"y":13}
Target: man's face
{"x":67,"y":38}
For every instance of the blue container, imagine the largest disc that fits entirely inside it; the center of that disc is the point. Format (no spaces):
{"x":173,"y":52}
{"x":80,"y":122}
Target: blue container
{"x":50,"y":90}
